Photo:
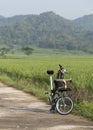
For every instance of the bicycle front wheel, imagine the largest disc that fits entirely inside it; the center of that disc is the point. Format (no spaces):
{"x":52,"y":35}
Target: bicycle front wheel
{"x":64,"y":105}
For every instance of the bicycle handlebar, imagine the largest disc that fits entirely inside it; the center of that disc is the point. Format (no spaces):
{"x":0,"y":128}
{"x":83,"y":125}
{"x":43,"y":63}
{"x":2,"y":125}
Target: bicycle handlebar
{"x":61,"y":67}
{"x":61,"y":72}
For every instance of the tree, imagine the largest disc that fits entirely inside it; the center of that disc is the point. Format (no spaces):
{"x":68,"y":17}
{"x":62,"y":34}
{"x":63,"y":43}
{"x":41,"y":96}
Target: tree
{"x":27,"y":50}
{"x":4,"y":51}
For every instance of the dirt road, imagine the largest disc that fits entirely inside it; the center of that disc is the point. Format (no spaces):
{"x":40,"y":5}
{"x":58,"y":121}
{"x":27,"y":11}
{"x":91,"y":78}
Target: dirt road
{"x":22,"y":111}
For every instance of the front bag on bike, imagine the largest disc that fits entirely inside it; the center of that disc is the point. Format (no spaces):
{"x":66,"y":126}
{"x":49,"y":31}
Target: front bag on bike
{"x":63,"y":84}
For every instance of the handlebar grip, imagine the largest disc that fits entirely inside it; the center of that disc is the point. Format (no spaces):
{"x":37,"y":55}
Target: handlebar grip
{"x":60,"y":66}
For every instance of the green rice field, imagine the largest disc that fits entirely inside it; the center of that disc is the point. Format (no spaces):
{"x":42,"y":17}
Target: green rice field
{"x":29,"y":74}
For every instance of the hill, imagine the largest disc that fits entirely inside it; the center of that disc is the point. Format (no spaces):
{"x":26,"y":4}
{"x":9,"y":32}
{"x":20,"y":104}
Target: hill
{"x":1,"y":17}
{"x":86,"y":22}
{"x":47,"y":30}
{"x":4,"y":21}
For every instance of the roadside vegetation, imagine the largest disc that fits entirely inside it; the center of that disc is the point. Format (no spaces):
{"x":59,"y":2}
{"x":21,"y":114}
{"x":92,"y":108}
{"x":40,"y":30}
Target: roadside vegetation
{"x":29,"y":74}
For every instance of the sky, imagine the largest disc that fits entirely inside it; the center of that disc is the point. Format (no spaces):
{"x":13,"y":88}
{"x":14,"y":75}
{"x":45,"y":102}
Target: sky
{"x":69,"y":9}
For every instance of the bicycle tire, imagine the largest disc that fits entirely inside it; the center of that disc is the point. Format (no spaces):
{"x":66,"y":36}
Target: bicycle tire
{"x":64,"y":105}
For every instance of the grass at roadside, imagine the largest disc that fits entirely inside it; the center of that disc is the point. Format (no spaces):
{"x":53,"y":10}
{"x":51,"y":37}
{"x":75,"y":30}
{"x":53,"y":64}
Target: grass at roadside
{"x":29,"y":75}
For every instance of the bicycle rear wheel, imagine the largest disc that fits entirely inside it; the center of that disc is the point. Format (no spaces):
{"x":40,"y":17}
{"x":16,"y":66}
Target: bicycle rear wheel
{"x":64,"y":105}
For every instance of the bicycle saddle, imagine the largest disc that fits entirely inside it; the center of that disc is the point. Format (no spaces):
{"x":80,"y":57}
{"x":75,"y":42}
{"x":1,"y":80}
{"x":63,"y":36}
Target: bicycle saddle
{"x":50,"y":72}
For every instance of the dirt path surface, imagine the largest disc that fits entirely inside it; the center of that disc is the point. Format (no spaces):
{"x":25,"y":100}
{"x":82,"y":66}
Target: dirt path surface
{"x":22,"y":111}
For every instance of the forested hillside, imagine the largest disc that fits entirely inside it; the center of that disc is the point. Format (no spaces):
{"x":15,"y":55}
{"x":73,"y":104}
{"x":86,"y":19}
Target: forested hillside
{"x":86,"y":22}
{"x":47,"y":30}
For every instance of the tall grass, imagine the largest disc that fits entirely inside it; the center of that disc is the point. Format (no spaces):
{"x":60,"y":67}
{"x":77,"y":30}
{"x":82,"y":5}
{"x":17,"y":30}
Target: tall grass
{"x":29,"y":74}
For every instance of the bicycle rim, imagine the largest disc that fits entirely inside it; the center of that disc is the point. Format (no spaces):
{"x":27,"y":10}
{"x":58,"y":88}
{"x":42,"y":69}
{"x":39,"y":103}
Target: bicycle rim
{"x":64,"y":105}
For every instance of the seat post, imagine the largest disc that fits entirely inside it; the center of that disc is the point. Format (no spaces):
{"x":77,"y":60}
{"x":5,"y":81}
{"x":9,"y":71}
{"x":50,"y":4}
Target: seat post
{"x":50,"y":73}
{"x":51,"y":83}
